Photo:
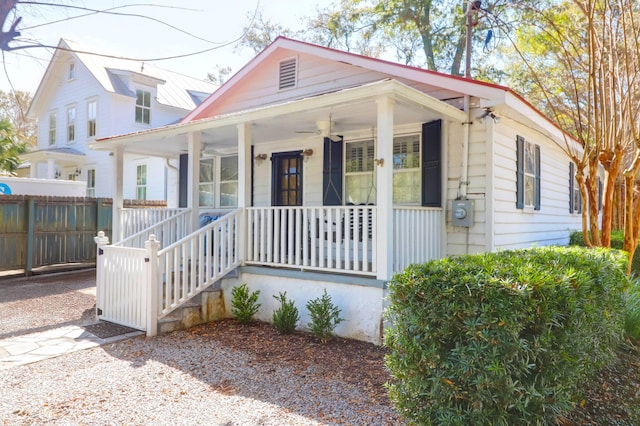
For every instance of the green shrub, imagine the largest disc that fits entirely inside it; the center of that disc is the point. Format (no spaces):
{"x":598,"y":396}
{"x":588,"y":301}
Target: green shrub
{"x":502,"y":338}
{"x":286,"y":316}
{"x":632,"y":312}
{"x":617,"y":241}
{"x":244,"y":304}
{"x":324,"y":316}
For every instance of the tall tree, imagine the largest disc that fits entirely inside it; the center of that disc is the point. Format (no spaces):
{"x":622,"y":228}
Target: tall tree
{"x":13,"y":108}
{"x":583,"y":57}
{"x":10,"y":148}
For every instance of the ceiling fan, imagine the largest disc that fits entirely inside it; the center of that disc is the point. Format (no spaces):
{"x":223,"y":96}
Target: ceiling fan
{"x":324,"y":129}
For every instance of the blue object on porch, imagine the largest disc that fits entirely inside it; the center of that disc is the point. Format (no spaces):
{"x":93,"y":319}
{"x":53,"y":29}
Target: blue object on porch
{"x":204,"y":220}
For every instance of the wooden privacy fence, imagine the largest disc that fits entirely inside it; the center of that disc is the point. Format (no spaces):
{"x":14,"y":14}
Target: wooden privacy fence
{"x":37,"y":231}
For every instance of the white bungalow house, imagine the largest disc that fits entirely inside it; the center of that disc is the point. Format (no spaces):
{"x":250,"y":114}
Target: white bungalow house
{"x":341,"y":170}
{"x":83,"y":96}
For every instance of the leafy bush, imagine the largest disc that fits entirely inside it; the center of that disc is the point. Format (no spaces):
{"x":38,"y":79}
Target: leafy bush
{"x":244,"y":304}
{"x":617,"y":241}
{"x":632,"y":311}
{"x":324,"y":316}
{"x":502,"y":338}
{"x":286,"y":316}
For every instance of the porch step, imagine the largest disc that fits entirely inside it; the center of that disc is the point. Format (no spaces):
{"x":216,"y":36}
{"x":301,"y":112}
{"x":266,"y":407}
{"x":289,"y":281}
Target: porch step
{"x":206,"y":306}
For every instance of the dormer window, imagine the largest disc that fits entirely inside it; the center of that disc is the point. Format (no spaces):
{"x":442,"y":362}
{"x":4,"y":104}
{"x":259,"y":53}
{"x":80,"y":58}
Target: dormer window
{"x":143,"y":107}
{"x":72,"y":71}
{"x":288,"y":73}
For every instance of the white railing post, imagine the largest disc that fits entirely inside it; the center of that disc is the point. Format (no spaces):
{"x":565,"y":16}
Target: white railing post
{"x":101,"y":240}
{"x":153,"y":285}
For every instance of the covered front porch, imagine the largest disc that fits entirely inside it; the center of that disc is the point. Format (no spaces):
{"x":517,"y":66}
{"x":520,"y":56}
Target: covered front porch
{"x":345,"y":184}
{"x":332,"y":183}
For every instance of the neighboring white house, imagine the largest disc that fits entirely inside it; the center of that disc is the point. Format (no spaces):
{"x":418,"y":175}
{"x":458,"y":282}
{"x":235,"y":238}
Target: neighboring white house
{"x":348,"y":169}
{"x":83,"y":97}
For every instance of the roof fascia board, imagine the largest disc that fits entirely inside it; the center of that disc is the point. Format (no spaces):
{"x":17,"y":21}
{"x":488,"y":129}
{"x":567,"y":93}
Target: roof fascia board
{"x":354,"y":95}
{"x":547,"y":126}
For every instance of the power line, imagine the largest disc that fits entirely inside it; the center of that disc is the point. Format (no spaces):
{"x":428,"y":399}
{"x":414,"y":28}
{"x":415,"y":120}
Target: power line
{"x":109,"y":11}
{"x":93,"y":11}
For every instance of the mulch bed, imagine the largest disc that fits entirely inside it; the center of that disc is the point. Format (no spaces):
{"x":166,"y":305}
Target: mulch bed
{"x":351,"y":361}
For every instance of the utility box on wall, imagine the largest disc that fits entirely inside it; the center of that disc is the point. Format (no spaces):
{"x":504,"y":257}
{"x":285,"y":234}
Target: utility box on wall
{"x":462,"y":213}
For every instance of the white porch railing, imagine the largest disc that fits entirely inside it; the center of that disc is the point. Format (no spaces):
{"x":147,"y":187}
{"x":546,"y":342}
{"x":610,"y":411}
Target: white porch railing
{"x":417,"y":236}
{"x":338,"y":239}
{"x":134,"y":221}
{"x":167,"y":231}
{"x":193,"y":263}
{"x":138,"y":286}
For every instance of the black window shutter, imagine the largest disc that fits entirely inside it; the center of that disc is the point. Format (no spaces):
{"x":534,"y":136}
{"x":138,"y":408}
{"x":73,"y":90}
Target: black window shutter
{"x":332,"y":173}
{"x":432,"y":164}
{"x":571,"y":185}
{"x":537,"y":206}
{"x":520,"y":172}
{"x":182,"y":180}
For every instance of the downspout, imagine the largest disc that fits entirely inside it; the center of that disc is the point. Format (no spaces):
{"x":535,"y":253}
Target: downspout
{"x":472,"y":10}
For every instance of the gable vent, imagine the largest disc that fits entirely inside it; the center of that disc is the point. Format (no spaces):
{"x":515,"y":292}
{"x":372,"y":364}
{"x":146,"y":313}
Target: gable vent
{"x":288,"y":73}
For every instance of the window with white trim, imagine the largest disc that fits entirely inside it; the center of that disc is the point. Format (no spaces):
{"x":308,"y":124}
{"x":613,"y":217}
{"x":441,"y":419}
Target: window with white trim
{"x":53,"y":127}
{"x":206,"y":186}
{"x":71,"y":124}
{"x":143,"y":107}
{"x":527,"y":174}
{"x":92,"y":117}
{"x":91,"y":183}
{"x":71,"y":74}
{"x":359,"y":177}
{"x":575,"y":198}
{"x":229,"y":181}
{"x":141,"y":182}
{"x":218,"y":185}
{"x":407,"y":180}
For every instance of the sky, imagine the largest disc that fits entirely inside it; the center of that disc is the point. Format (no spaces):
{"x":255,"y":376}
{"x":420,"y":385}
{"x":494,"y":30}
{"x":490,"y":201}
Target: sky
{"x":212,"y":22}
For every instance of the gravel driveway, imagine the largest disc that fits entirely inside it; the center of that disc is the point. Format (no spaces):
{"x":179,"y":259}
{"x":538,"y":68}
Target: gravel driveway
{"x":220,"y":373}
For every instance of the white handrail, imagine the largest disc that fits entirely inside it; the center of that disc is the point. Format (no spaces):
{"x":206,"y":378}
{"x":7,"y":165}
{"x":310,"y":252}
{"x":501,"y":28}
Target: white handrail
{"x":167,"y":231}
{"x":193,"y":263}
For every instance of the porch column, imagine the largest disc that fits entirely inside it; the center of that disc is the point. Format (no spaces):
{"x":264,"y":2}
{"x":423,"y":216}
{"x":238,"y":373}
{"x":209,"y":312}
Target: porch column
{"x":118,"y":203}
{"x":193,"y":178}
{"x":51,"y":168}
{"x":384,"y":185}
{"x":244,"y":181}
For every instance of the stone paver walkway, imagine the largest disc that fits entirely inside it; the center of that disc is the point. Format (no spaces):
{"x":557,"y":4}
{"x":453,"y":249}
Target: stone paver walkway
{"x":28,"y":348}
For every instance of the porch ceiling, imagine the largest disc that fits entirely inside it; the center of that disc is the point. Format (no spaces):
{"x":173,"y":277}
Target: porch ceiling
{"x":351,"y":110}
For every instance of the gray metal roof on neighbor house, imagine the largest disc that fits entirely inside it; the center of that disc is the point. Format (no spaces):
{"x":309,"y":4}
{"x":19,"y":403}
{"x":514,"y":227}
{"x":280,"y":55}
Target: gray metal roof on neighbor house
{"x":174,"y":89}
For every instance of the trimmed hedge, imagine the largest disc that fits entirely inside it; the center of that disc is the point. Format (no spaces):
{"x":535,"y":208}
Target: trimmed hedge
{"x":502,"y":338}
{"x":617,"y":241}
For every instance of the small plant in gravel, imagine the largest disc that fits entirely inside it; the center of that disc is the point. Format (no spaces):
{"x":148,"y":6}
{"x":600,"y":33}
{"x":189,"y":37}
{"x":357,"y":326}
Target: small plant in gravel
{"x":286,"y":316}
{"x":325,"y":316}
{"x":244,"y":303}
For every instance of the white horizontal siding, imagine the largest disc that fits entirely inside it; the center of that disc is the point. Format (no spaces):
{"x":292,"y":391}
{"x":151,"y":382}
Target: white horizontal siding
{"x":516,"y":228}
{"x":315,"y":75}
{"x":467,"y":240}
